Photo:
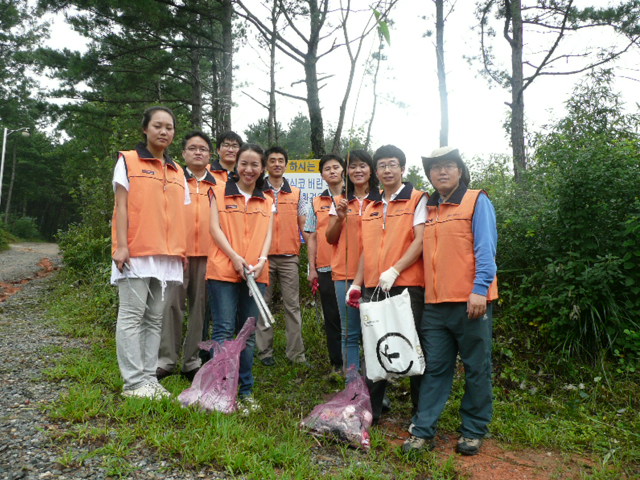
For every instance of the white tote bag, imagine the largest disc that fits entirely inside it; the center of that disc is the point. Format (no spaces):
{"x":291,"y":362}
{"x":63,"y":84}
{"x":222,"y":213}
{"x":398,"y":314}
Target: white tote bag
{"x":391,"y":344}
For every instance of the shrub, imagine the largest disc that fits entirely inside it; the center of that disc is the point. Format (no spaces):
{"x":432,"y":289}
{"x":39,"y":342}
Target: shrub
{"x":568,"y":253}
{"x":25,"y":228}
{"x":86,"y":246}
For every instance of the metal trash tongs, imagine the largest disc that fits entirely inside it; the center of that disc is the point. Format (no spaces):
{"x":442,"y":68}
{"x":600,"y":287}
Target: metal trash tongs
{"x":255,"y":292}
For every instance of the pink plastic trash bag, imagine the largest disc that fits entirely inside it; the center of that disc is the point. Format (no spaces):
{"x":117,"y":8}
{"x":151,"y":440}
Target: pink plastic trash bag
{"x":215,"y":386}
{"x":347,"y":415}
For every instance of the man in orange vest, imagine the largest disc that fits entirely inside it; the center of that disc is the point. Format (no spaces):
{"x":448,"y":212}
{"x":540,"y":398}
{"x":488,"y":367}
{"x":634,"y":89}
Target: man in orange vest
{"x":196,"y":151}
{"x":392,"y":232}
{"x":228,"y":144}
{"x":290,"y":211}
{"x":319,"y":250}
{"x":459,"y":249}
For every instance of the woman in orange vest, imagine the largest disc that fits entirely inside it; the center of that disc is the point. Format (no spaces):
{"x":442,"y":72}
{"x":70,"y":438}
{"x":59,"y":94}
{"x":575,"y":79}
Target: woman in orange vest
{"x":148,"y":248}
{"x":241,"y":226}
{"x":343,"y":233}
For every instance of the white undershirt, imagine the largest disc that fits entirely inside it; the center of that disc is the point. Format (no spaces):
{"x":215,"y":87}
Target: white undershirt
{"x":419,"y":215}
{"x":166,"y":268}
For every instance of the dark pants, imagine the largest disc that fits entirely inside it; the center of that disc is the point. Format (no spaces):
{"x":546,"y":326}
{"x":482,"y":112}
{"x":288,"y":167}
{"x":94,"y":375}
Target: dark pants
{"x":331,"y":318}
{"x":378,"y":389}
{"x":448,"y":332}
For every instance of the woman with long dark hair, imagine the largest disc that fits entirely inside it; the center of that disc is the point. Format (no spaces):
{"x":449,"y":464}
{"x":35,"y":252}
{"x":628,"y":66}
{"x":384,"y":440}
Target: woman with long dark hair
{"x":241,"y":225}
{"x":343,"y":233}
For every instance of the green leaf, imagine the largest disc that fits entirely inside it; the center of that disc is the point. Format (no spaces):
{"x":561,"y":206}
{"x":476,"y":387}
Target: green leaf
{"x":383,"y":27}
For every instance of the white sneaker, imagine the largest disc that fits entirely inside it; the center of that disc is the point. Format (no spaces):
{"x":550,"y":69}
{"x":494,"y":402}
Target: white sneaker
{"x":160,"y":390}
{"x":148,"y":390}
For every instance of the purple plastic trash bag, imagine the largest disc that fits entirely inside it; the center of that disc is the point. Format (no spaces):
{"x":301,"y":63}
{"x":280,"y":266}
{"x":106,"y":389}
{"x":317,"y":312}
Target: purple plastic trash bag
{"x":347,"y":415}
{"x":215,"y":386}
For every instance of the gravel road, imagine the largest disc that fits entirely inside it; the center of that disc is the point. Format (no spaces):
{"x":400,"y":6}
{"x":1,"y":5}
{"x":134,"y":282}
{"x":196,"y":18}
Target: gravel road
{"x":22,"y":260}
{"x":28,"y":448}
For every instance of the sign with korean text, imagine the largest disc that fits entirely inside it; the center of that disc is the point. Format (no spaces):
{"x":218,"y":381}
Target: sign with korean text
{"x":305,"y":174}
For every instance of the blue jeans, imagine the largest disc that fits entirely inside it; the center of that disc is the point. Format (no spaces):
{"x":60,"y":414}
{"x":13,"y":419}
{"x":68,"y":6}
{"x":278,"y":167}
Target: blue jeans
{"x":447,"y":331}
{"x":350,"y":326}
{"x":231,"y":305}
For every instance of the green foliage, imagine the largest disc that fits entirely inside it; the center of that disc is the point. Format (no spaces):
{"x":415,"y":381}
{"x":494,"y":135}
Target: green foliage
{"x":5,"y":237}
{"x":25,"y":228}
{"x":414,"y":175}
{"x":296,"y":137}
{"x":569,"y":254}
{"x":86,"y":245}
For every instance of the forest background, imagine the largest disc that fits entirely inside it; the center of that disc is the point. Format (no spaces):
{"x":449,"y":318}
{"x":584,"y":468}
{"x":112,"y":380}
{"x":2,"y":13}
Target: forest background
{"x":565,"y":189}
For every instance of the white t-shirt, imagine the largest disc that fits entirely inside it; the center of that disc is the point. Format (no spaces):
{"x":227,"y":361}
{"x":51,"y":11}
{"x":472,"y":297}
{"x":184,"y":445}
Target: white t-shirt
{"x":166,"y":268}
{"x":420,"y":213}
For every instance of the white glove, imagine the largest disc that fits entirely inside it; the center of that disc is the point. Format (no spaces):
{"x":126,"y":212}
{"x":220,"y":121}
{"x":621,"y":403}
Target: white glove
{"x":352,"y":288}
{"x":387,"y":279}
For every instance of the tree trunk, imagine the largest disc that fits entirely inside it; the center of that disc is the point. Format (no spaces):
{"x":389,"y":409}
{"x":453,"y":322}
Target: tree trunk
{"x":313,"y":104}
{"x":196,"y":84}
{"x":442,"y":75}
{"x":311,"y":77}
{"x":13,"y":177}
{"x":272,"y":126}
{"x":517,"y":91}
{"x":226,"y":83}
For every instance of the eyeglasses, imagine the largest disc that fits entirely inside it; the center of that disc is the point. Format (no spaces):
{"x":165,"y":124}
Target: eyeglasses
{"x":197,"y":149}
{"x":391,"y":166}
{"x":230,"y":146}
{"x":449,"y":167}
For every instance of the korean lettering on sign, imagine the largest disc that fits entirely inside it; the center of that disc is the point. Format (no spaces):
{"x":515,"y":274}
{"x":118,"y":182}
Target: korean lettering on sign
{"x":305,"y":174}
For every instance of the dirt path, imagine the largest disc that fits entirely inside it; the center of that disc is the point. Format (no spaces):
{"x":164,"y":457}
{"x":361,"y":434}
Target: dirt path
{"x":23,"y":262}
{"x":497,"y":461}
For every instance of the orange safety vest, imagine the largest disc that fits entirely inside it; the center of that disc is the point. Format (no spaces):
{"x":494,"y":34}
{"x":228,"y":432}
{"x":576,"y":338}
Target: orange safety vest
{"x":345,"y":255}
{"x":386,"y":240}
{"x":321,"y":206}
{"x":198,"y":215}
{"x":155,"y":206}
{"x":449,"y":260}
{"x":245,"y":225}
{"x":286,"y":231}
{"x":218,"y":171}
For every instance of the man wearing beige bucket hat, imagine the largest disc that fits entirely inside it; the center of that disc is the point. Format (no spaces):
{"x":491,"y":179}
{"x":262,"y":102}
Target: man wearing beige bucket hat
{"x":459,"y":248}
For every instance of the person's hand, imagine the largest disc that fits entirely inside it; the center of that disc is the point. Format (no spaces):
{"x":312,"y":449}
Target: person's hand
{"x":239,"y":265}
{"x":476,"y":306}
{"x":313,"y":276}
{"x":354,"y":294}
{"x":257,"y":268}
{"x":388,"y":278}
{"x":315,"y":285}
{"x":121,"y":258}
{"x":185,"y":263}
{"x":341,"y":208}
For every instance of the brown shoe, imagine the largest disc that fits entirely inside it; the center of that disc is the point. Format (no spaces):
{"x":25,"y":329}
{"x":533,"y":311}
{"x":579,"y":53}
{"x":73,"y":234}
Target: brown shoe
{"x":162,"y":373}
{"x":415,"y":444}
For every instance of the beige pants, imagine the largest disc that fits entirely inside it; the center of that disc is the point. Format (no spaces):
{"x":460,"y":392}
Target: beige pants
{"x":284,"y":270}
{"x":194,"y":291}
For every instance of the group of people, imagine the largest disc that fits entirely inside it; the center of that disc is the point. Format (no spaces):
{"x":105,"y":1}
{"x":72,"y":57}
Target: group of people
{"x":182,"y":235}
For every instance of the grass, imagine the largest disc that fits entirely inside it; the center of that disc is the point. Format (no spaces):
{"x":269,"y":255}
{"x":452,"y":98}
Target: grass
{"x":540,"y":404}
